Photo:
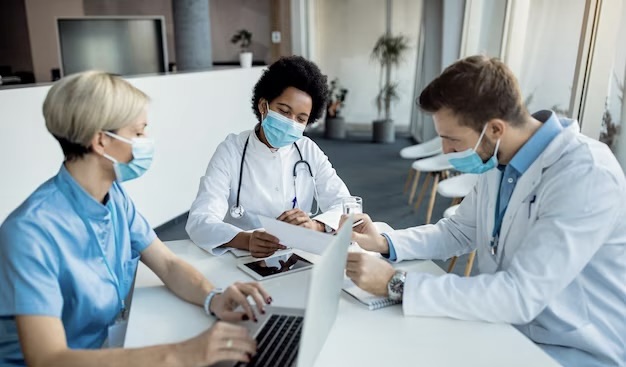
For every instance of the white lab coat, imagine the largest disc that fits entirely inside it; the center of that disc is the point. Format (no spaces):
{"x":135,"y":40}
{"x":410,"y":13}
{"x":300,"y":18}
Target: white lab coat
{"x":560,"y":272}
{"x":267,"y":188}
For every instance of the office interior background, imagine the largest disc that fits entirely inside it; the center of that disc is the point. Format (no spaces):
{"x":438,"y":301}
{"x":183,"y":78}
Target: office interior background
{"x":569,"y":56}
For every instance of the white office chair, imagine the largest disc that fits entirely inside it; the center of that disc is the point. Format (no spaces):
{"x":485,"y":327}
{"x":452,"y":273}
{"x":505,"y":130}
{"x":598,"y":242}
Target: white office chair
{"x":419,"y":151}
{"x":436,"y":168}
{"x":470,"y":260}
{"x":457,"y":187}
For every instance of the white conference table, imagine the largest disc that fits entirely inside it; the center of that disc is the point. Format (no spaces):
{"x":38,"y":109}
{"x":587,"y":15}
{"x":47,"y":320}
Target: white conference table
{"x":359,"y":337}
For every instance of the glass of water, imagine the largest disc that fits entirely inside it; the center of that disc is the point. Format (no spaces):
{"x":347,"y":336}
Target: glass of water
{"x":352,"y":205}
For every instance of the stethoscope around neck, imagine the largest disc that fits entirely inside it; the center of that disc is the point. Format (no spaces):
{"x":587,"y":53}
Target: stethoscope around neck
{"x":237,"y":211}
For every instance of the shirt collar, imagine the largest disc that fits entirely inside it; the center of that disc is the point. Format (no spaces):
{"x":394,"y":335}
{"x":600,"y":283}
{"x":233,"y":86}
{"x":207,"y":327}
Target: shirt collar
{"x":537,"y":143}
{"x":81,"y":200}
{"x":258,"y":146}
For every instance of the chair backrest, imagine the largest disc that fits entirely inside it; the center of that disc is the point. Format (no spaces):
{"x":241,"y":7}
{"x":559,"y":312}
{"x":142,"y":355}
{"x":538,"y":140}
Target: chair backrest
{"x":423,"y":150}
{"x":457,"y":186}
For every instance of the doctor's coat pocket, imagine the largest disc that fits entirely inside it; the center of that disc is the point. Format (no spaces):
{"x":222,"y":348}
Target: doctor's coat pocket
{"x":530,"y":207}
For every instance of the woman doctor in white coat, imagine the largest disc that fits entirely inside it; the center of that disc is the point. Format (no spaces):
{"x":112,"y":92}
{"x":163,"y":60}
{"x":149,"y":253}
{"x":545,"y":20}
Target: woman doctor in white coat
{"x":271,"y":170}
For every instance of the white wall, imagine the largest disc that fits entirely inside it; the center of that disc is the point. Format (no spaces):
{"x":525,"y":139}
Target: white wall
{"x":41,"y":16}
{"x":345,"y":33}
{"x":406,"y":19}
{"x":189,"y":116}
{"x":550,"y":52}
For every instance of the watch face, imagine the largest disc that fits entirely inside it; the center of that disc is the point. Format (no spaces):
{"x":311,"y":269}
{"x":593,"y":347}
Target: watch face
{"x":396,"y":286}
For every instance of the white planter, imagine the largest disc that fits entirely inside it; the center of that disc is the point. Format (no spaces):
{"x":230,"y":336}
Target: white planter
{"x":245,"y":59}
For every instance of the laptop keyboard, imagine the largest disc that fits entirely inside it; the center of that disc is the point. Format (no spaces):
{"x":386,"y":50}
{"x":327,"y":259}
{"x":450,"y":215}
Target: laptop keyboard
{"x":277,"y":342}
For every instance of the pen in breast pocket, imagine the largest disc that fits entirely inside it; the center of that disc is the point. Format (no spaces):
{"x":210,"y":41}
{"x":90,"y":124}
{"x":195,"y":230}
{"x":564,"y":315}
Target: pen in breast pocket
{"x":530,"y":204}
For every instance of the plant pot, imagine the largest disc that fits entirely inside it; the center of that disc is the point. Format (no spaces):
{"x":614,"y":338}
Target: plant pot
{"x":384,"y":131}
{"x":335,"y":128}
{"x":245,"y":59}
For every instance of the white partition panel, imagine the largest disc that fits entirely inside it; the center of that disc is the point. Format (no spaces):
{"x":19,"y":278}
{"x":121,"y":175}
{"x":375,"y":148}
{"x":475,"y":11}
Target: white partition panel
{"x":189,"y":116}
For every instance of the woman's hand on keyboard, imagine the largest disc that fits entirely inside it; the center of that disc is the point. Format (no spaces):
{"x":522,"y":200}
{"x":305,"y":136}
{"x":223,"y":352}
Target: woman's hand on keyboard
{"x":224,"y":305}
{"x":222,"y":342}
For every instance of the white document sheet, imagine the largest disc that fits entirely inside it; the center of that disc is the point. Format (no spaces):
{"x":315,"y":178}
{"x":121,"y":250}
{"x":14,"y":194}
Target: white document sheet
{"x":331,"y":219}
{"x":297,"y":237}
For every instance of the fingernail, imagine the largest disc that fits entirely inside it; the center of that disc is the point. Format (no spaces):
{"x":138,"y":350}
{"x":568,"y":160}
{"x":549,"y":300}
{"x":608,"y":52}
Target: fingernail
{"x":263,"y":311}
{"x":269,"y":300}
{"x":245,"y":317}
{"x":256,"y":320}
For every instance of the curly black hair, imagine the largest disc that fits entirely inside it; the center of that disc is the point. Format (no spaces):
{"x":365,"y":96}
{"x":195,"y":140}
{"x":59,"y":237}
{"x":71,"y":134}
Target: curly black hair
{"x":296,"y":72}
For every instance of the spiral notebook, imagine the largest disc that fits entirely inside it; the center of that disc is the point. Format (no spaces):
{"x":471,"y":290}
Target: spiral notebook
{"x":371,"y":301}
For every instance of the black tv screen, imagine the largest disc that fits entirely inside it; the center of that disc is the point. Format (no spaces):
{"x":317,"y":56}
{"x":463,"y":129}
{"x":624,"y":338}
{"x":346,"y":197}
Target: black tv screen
{"x":125,"y":46}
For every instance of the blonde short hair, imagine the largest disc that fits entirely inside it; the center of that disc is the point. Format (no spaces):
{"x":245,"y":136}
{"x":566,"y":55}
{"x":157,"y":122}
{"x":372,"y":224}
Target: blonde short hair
{"x":79,"y":106}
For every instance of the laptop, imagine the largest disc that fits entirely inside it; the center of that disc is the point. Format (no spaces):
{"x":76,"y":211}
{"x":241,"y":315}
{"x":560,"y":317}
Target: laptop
{"x":293,"y":336}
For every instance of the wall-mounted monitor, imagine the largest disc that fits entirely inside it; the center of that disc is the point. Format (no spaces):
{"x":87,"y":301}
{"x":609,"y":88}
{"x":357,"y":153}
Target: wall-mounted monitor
{"x":118,"y":45}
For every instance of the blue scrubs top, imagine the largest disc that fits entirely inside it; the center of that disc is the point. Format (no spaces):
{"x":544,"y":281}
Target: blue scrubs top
{"x":52,"y":250}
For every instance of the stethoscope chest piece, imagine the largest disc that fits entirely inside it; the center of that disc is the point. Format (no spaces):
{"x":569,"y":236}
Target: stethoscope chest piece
{"x":237,"y":211}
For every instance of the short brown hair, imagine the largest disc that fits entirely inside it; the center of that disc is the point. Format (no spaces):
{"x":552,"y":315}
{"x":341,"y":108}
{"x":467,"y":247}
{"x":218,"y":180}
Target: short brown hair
{"x":476,"y":89}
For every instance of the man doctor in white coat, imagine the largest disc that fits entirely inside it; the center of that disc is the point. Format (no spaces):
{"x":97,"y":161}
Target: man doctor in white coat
{"x":271,"y":170}
{"x":547,"y":218}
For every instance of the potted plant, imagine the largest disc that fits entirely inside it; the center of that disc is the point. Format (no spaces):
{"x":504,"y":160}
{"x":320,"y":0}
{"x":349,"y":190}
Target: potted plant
{"x":389,"y":52}
{"x":244,"y":38}
{"x":335,"y":127}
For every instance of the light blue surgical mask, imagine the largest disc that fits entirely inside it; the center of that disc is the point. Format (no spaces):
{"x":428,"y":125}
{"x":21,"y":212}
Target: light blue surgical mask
{"x":469,"y":161}
{"x":143,"y":152}
{"x":279,"y":130}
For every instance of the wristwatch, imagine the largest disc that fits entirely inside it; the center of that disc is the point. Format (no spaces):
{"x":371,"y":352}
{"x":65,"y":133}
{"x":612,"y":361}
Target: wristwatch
{"x":395,"y":287}
{"x":209,"y":298}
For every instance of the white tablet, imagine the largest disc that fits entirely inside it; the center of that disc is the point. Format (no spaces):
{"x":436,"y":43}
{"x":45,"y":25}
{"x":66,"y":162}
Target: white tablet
{"x":275,"y":266}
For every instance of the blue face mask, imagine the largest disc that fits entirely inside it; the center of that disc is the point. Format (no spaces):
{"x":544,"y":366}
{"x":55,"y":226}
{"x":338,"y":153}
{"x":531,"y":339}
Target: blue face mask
{"x":279,"y":130}
{"x":469,"y":161}
{"x":143,"y":152}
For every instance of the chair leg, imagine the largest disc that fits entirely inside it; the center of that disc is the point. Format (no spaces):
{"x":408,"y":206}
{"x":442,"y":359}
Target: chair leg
{"x":470,"y":263}
{"x":433,"y":196}
{"x":423,"y":190}
{"x":416,"y":179}
{"x":452,"y":263}
{"x":455,"y":201}
{"x":408,"y":180}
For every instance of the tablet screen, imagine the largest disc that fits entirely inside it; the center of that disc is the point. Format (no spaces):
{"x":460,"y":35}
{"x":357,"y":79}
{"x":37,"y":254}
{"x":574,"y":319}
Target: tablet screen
{"x":278,"y":264}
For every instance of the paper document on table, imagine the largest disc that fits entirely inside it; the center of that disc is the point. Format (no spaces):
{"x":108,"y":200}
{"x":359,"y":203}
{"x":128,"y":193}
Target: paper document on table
{"x":331,"y":219}
{"x":239,"y":252}
{"x":296,"y":237}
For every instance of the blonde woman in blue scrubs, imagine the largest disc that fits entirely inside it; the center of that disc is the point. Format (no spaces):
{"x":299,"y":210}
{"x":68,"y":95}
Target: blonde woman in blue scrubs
{"x":68,"y":254}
